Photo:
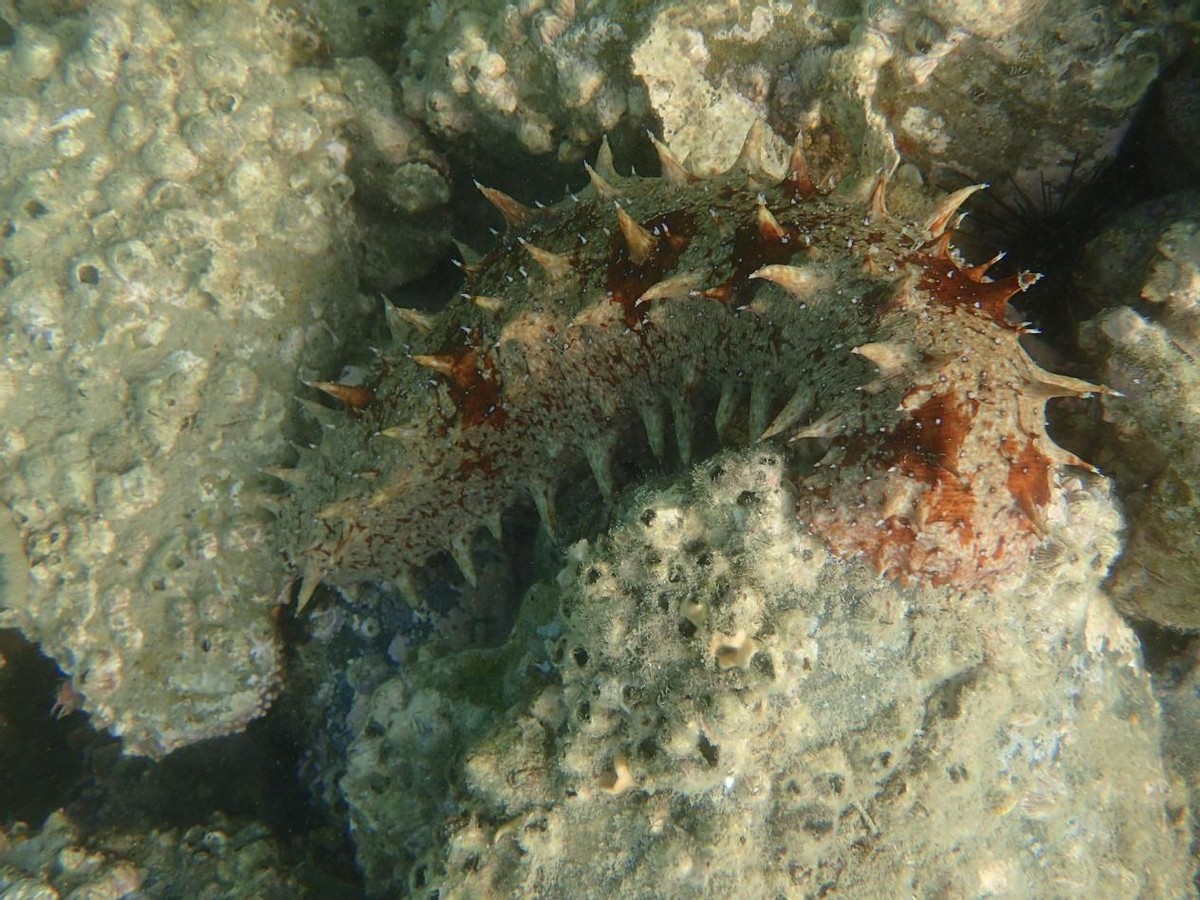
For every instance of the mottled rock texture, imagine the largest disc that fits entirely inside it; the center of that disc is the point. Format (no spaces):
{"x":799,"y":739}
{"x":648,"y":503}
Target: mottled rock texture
{"x":220,"y":858}
{"x":948,"y":84}
{"x":177,"y":248}
{"x":708,"y":703}
{"x":1144,"y":269}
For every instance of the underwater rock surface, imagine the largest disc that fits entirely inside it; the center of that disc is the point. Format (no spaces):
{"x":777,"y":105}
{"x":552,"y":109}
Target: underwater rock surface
{"x":946,"y":83}
{"x":708,"y":702}
{"x":1145,"y":270}
{"x":221,"y":858}
{"x":877,"y":657}
{"x":175,"y":240}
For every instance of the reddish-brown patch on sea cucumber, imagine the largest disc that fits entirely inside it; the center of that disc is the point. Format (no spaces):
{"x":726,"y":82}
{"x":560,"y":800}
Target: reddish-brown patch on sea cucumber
{"x":751,"y":250}
{"x":1028,"y":476}
{"x":926,"y":443}
{"x":474,"y":384}
{"x":627,"y":280}
{"x":927,"y":446}
{"x":952,"y":286}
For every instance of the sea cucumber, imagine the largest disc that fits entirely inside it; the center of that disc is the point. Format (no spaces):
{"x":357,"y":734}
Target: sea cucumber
{"x":801,"y":315}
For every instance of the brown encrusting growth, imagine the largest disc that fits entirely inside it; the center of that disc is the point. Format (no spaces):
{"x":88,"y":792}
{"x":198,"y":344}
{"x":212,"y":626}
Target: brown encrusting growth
{"x":812,"y":318}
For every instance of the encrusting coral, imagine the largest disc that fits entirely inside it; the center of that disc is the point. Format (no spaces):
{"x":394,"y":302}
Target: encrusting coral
{"x":801,"y":313}
{"x":177,"y":241}
{"x":706,"y":703}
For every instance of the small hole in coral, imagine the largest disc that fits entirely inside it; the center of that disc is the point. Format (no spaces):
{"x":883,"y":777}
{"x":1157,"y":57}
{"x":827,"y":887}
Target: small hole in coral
{"x":763,"y":664}
{"x":832,"y":783}
{"x":580,"y":656}
{"x":225,"y":103}
{"x":710,"y":751}
{"x":818,"y":821}
{"x":88,"y":274}
{"x":687,"y":630}
{"x":35,"y":209}
{"x":419,"y":877}
{"x":648,"y":516}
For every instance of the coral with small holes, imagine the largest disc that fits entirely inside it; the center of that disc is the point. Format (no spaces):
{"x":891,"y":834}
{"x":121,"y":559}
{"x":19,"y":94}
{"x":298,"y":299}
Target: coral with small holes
{"x":721,"y":707}
{"x":176,"y":247}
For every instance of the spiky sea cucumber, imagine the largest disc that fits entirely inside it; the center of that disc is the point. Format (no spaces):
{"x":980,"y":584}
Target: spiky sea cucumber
{"x":806,"y":317}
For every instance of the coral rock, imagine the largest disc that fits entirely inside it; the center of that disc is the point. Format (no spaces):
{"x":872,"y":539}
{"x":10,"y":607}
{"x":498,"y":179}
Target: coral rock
{"x":173,"y":219}
{"x":1146,"y":267}
{"x":706,"y":704}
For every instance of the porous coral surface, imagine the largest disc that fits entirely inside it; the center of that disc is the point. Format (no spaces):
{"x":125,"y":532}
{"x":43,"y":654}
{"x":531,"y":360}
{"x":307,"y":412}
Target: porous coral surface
{"x":945,"y":81}
{"x":708,"y":703}
{"x":220,"y":858}
{"x":790,"y":312}
{"x":541,"y":77}
{"x":174,"y":250}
